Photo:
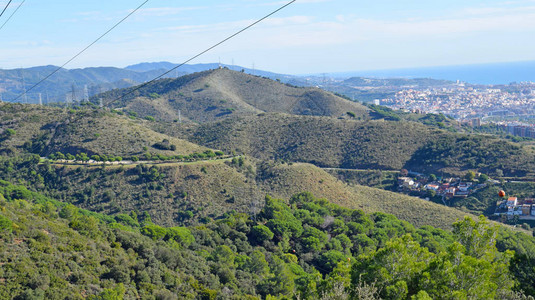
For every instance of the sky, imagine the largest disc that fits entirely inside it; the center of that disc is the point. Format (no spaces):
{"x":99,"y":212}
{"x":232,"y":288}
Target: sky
{"x":309,"y":36}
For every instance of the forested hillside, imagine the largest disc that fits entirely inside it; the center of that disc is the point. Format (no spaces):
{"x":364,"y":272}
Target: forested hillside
{"x":188,"y":193}
{"x":373,"y":144}
{"x":305,"y":247}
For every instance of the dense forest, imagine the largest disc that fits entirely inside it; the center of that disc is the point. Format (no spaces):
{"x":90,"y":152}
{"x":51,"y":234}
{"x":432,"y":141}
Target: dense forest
{"x":304,"y":248}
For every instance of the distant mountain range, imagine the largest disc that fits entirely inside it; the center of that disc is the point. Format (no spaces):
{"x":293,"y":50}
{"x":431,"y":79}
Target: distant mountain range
{"x":76,"y":84}
{"x":69,"y":84}
{"x":494,"y":73}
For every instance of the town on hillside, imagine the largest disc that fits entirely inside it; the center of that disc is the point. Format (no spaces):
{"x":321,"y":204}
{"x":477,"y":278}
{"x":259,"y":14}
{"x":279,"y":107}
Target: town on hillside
{"x":524,"y":209}
{"x":451,"y":188}
{"x":410,"y":182}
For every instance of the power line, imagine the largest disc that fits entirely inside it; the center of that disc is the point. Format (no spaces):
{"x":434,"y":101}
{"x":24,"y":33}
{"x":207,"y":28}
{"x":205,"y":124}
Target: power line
{"x":12,"y":14}
{"x":79,"y":53}
{"x":5,"y":8}
{"x":203,"y":52}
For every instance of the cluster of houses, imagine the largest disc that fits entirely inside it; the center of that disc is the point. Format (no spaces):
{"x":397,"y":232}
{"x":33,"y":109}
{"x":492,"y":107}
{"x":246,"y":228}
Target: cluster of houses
{"x":514,"y":207}
{"x":448,"y":187}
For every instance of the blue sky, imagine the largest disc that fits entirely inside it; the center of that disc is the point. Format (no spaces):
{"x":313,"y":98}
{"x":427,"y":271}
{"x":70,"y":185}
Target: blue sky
{"x":310,"y":36}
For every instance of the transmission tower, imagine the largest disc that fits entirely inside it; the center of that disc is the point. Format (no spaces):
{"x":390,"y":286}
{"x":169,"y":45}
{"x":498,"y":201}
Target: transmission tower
{"x":86,"y":94}
{"x":25,"y":99}
{"x":73,"y":93}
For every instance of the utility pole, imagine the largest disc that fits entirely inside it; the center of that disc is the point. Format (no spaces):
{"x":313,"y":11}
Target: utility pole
{"x":40,"y":100}
{"x":179,"y":117}
{"x":73,"y":93}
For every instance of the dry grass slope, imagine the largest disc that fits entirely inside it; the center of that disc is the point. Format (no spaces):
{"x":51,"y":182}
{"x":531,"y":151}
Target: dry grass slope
{"x":290,"y":179}
{"x":217,"y":94}
{"x":90,"y":131}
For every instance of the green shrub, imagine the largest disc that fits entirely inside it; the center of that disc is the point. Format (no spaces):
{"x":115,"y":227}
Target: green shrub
{"x":5,"y":224}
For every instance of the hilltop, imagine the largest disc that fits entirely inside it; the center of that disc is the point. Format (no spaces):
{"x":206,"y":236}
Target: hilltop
{"x":13,"y":82}
{"x":45,"y":130}
{"x":221,"y":93}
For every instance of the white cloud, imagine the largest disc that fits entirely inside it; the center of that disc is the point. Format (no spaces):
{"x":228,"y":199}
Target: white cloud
{"x":236,"y":25}
{"x":311,"y":1}
{"x":165,"y":11}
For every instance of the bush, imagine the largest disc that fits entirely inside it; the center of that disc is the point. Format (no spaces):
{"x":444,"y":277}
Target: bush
{"x":155,"y":232}
{"x":5,"y":224}
{"x":9,"y":132}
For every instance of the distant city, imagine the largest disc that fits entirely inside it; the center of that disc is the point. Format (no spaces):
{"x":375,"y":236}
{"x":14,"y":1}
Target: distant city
{"x":510,"y":106}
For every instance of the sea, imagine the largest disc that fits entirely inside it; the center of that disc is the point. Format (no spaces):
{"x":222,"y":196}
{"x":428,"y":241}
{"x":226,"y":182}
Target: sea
{"x":492,"y":73}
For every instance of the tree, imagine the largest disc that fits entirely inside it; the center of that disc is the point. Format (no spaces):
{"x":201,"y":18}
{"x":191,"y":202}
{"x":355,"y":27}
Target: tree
{"x":483,"y":178}
{"x":470,"y":176}
{"x":155,"y":232}
{"x":392,"y":268}
{"x":282,"y":282}
{"x":261,"y":233}
{"x":116,"y":293}
{"x":432,"y":177}
{"x":5,"y":225}
{"x":471,"y":267}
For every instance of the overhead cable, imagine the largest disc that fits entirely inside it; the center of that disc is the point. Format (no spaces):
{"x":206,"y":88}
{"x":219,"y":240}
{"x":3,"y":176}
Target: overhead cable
{"x":203,"y":52}
{"x":13,"y":13}
{"x":83,"y":50}
{"x":7,"y":5}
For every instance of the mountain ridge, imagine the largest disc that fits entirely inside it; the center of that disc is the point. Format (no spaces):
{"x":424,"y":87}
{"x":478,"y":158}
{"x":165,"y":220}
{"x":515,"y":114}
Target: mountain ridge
{"x":220,"y":93}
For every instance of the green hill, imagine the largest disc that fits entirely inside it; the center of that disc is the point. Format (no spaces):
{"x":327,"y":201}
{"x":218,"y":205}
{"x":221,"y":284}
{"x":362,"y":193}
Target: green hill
{"x":222,"y":93}
{"x":187,"y":193}
{"x":45,"y":130}
{"x":372,"y":144}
